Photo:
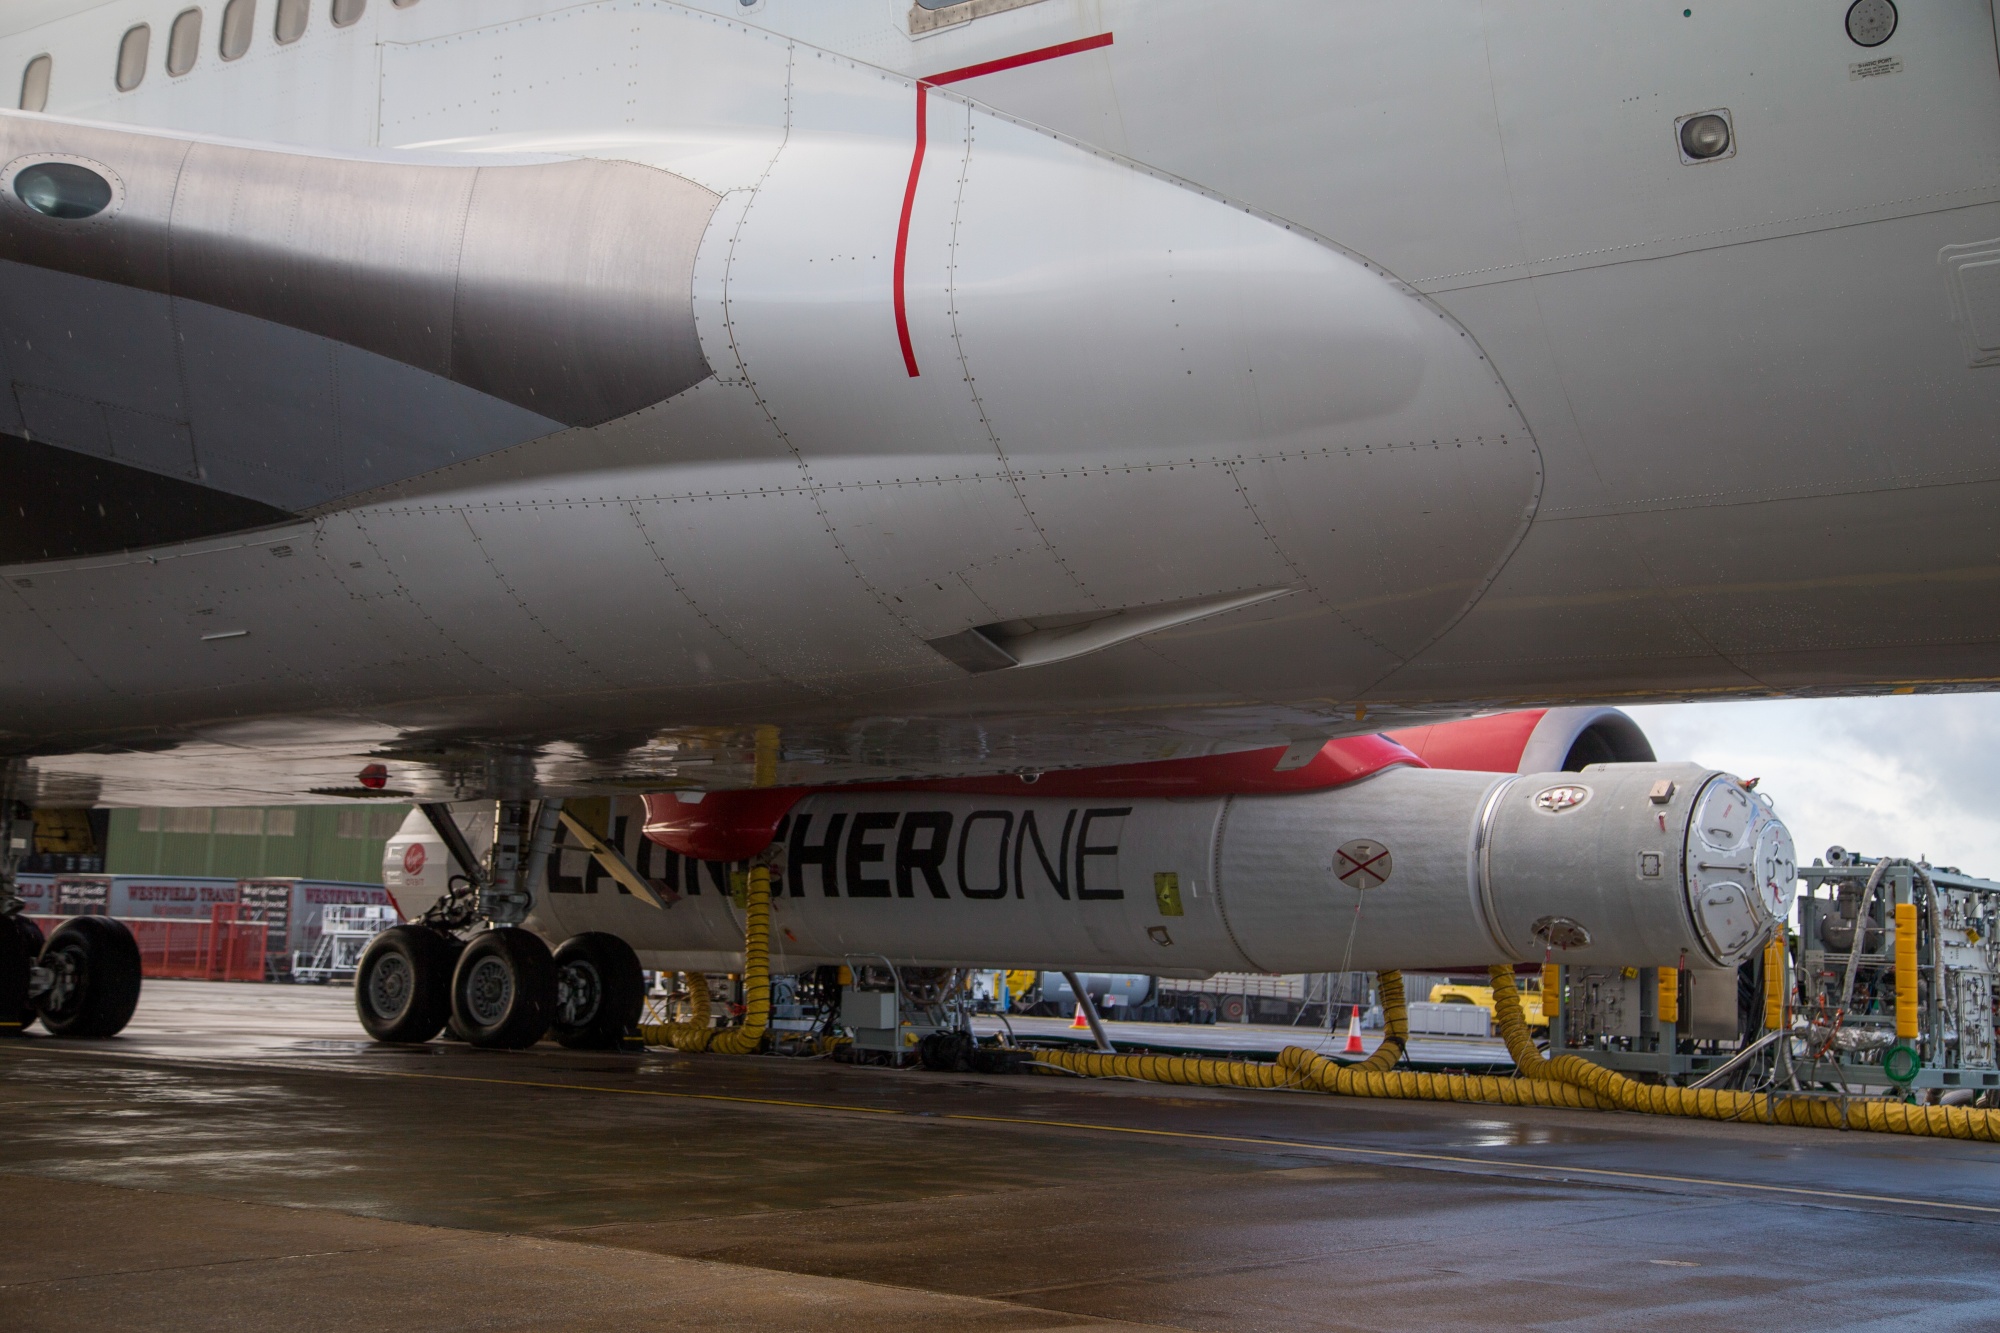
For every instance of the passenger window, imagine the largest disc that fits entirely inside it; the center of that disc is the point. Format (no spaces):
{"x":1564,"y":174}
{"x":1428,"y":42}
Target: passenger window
{"x":35,"y":84}
{"x":239,"y":21}
{"x":183,"y":42}
{"x":292,"y":15}
{"x":132,"y":51}
{"x":346,"y":12}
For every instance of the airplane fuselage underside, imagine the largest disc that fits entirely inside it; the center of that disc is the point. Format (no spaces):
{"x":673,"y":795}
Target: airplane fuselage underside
{"x":559,"y":394}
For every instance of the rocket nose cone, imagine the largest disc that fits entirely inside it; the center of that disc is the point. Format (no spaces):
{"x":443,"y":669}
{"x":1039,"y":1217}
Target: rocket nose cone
{"x":1742,"y":869}
{"x":1081,"y":290}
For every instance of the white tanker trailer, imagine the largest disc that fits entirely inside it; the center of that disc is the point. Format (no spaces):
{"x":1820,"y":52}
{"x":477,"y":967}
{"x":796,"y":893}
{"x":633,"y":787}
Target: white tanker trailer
{"x":1636,"y":864}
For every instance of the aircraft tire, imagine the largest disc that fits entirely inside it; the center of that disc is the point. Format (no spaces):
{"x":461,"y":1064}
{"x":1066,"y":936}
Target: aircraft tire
{"x":503,"y":991}
{"x":452,"y":1031}
{"x":20,"y":945}
{"x":96,"y":962}
{"x":402,"y":988}
{"x":599,"y":992}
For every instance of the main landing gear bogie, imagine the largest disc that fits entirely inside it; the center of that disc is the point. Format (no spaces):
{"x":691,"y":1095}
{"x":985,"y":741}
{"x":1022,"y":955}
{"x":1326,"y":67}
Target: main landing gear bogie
{"x":82,"y":982}
{"x":502,"y":989}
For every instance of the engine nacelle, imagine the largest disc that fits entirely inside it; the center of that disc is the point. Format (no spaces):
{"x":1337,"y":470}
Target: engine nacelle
{"x":1531,"y":740}
{"x":1632,"y":864}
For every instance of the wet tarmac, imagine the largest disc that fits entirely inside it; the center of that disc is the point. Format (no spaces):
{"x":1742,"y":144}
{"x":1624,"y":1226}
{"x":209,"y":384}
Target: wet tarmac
{"x":242,"y":1159}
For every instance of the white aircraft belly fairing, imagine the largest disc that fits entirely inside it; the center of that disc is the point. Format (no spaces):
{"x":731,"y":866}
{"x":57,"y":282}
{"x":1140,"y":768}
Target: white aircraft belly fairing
{"x":1187,"y":385}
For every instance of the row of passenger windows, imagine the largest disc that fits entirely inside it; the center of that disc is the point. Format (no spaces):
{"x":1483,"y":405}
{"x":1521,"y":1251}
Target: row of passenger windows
{"x":239,"y":25}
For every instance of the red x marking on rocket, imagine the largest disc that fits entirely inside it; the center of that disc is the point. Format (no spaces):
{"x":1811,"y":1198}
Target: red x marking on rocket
{"x":1362,"y":864}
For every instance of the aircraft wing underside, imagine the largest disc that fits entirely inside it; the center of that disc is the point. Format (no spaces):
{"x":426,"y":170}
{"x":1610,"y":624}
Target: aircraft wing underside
{"x":235,"y":335}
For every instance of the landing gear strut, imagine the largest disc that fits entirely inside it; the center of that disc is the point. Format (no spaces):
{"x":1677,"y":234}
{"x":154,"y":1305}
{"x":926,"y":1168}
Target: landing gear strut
{"x":497,"y":988}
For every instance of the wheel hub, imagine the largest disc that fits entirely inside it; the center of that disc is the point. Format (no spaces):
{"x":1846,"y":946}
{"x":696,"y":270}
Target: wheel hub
{"x":391,"y":987}
{"x":65,"y":980}
{"x":489,"y":992}
{"x":579,"y":990}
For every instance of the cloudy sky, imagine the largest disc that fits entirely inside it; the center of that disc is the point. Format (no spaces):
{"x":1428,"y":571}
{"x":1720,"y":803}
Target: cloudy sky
{"x":1902,"y":776}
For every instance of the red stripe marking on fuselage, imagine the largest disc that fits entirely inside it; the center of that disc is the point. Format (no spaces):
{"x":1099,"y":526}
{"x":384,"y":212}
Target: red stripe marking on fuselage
{"x":903,"y":233}
{"x":924,"y":85}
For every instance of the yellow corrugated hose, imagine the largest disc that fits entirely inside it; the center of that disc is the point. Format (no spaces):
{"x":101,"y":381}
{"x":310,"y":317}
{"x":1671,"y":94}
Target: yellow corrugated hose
{"x":1567,"y":1081}
{"x":1297,"y":1067}
{"x":1615,"y":1090}
{"x":745,"y":1039}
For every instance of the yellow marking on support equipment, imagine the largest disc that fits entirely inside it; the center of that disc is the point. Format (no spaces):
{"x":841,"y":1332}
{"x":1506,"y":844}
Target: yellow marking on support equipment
{"x":1906,"y":971}
{"x":614,"y":864}
{"x":1774,"y":983}
{"x":1670,"y":996}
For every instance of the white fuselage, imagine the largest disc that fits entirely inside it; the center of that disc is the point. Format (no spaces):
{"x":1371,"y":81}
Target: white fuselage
{"x":1399,"y":352}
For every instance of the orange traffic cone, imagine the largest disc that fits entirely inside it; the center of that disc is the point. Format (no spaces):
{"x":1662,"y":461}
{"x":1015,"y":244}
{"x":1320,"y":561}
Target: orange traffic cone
{"x":1080,"y":1021}
{"x":1354,"y":1032}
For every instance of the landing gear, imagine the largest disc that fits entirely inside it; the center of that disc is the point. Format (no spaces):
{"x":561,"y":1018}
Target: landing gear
{"x":20,"y":947}
{"x":402,"y":988}
{"x":504,"y":988}
{"x":498,"y":989}
{"x":599,"y":992}
{"x":92,"y":985}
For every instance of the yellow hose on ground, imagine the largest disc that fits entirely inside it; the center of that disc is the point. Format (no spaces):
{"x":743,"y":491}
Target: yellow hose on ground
{"x":1297,"y":1067}
{"x":1881,"y":1115}
{"x":1566,"y":1081}
{"x":1201,"y":1072}
{"x":743,"y":1040}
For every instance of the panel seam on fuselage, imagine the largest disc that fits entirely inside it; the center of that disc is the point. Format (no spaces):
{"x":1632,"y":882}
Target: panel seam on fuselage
{"x":1007,"y":470}
{"x":1892,"y":210}
{"x":1215,"y":879}
{"x":810,"y":486}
